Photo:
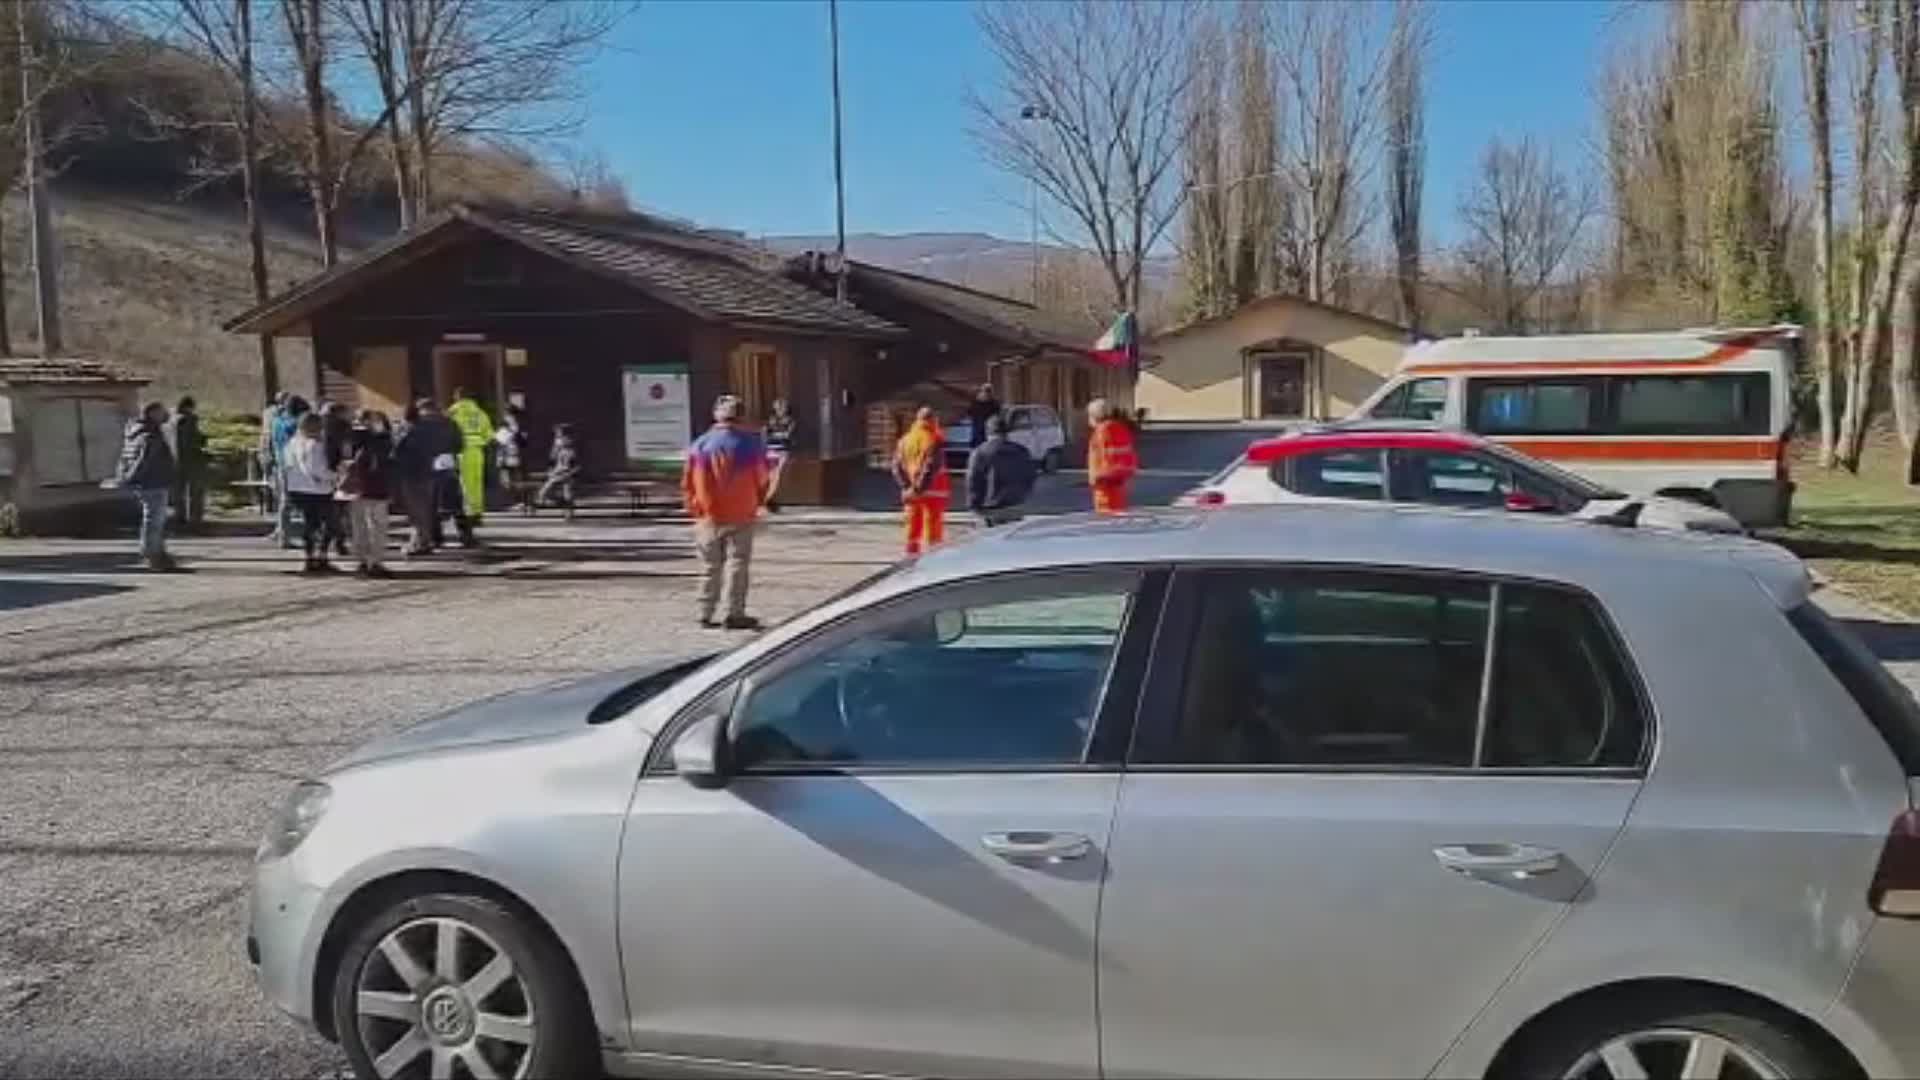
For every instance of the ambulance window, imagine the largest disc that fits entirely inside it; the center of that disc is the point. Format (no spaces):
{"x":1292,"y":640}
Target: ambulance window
{"x":1532,"y":407}
{"x":1721,"y":404}
{"x":1421,"y":399}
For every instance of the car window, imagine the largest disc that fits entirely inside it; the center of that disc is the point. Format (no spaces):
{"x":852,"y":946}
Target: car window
{"x":1331,"y":668}
{"x":1538,"y":407}
{"x":1017,"y":420}
{"x":1562,"y":697}
{"x":1449,"y":479}
{"x":1421,"y":399}
{"x":1888,"y":705}
{"x":1335,"y":474}
{"x":998,"y":682}
{"x":1043,"y":418}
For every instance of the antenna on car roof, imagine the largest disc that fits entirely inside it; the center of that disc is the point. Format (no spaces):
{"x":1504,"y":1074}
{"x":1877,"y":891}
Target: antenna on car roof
{"x":1625,"y":517}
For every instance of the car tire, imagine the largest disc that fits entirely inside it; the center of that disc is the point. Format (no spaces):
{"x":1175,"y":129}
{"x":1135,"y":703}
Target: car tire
{"x":533,"y":1021}
{"x":1659,"y":1033}
{"x":1050,"y":462}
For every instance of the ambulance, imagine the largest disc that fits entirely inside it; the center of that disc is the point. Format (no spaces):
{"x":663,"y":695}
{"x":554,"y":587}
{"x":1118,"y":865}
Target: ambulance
{"x":1704,"y":415}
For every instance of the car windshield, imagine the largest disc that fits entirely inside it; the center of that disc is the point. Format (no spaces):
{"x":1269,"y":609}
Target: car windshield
{"x":1579,"y":486}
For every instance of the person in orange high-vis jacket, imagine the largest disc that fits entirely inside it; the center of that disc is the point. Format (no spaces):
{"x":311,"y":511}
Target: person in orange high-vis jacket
{"x":920,"y":468}
{"x":1111,"y":458}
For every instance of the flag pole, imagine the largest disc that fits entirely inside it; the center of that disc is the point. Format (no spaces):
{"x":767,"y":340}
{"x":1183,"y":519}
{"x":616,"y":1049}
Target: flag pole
{"x":839,"y":174}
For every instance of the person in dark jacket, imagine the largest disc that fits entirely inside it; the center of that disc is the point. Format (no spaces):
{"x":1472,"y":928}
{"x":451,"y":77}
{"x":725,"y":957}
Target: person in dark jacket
{"x":190,"y":468}
{"x":367,"y":481}
{"x":146,"y":469}
{"x":426,"y":465}
{"x":999,"y":476}
{"x":984,"y":407}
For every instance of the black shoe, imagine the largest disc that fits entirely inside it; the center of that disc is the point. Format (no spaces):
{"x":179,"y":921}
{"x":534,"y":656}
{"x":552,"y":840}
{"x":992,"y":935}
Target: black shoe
{"x":709,"y":623}
{"x":741,"y":622}
{"x":325,"y":567}
{"x":310,"y":567}
{"x":379,"y":573}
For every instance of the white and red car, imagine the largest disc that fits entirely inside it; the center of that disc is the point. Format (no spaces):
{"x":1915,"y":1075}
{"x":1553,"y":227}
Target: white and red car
{"x":1433,"y":466}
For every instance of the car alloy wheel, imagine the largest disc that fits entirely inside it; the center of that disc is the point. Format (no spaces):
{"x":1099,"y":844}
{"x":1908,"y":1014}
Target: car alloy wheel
{"x":438,"y":998}
{"x":1676,"y":1053}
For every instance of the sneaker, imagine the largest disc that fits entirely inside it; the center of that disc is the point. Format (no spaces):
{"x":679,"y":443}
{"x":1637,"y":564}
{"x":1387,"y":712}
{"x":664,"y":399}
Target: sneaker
{"x":325,"y":567}
{"x":709,"y":623}
{"x":741,"y":622}
{"x":379,"y":573}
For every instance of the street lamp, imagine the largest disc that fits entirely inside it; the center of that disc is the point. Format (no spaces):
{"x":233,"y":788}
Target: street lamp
{"x":1043,"y":114}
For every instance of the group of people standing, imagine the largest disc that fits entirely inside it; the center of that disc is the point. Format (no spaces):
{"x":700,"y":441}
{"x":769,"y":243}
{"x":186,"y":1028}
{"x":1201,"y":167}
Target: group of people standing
{"x":327,"y":465}
{"x":1000,"y":472}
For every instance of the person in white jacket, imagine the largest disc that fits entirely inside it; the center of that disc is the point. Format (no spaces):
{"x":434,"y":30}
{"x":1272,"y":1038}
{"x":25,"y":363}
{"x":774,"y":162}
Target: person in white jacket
{"x":310,"y":486}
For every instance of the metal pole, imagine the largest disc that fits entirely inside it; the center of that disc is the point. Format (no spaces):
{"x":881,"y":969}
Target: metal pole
{"x":839,"y":176}
{"x":46,"y":274}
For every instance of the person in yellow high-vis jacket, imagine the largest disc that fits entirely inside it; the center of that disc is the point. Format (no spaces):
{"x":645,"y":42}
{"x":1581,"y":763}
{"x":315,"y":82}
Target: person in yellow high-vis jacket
{"x":476,"y":434}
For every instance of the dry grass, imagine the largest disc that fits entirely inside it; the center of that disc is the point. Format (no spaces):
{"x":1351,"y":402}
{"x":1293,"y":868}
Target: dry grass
{"x":147,"y":284}
{"x":1861,"y":531}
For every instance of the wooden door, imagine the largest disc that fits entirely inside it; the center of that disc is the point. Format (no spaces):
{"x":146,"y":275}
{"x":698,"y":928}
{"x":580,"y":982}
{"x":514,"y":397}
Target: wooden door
{"x":380,"y":373}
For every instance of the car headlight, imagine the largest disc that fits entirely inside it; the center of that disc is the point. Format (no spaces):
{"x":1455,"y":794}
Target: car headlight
{"x":295,"y":817}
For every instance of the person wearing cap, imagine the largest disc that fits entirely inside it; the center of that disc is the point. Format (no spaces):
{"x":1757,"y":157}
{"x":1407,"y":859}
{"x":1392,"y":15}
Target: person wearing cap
{"x":984,"y":407}
{"x":920,"y":468}
{"x":724,"y":484}
{"x":1111,"y":458}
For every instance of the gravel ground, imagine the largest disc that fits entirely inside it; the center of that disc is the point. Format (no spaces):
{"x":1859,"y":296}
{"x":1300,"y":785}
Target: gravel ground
{"x":147,"y":724}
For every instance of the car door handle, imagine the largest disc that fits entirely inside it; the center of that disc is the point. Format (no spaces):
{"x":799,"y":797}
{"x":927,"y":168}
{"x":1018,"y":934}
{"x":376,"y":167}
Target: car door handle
{"x":1510,"y":861}
{"x":1038,"y":845}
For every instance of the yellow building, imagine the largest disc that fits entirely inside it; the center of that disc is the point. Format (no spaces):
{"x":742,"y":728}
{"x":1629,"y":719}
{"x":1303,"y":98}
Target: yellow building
{"x":1277,"y":358}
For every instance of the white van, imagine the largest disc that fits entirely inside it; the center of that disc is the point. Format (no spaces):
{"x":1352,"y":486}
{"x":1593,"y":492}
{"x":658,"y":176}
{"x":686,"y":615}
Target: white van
{"x":1698,"y":414}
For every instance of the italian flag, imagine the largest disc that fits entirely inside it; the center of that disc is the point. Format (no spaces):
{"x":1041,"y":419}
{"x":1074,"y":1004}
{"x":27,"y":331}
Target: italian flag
{"x":1120,"y":345}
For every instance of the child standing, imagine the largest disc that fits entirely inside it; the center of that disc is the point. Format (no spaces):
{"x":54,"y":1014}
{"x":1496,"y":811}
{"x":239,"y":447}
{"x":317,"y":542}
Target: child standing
{"x":563,"y":465}
{"x":510,"y":456}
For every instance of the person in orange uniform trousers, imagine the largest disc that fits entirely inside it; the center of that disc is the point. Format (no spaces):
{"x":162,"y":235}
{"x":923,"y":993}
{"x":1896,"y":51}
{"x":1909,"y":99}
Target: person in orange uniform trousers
{"x":920,"y":468}
{"x":1111,"y":458}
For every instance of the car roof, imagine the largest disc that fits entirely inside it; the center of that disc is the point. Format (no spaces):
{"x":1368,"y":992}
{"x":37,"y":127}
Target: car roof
{"x":1361,"y":437}
{"x":1582,"y":554}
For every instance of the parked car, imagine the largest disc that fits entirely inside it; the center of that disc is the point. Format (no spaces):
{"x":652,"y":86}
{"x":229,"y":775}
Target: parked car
{"x":1036,"y":427}
{"x":1426,"y":464}
{"x":1699,"y":414}
{"x":1327,"y":790}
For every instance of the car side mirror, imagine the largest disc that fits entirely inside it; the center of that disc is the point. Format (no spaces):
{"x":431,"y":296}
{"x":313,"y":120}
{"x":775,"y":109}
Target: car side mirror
{"x":1519,"y":502}
{"x":699,"y":754}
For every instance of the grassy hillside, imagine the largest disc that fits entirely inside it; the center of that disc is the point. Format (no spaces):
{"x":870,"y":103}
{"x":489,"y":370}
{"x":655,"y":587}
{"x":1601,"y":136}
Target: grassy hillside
{"x":147,"y":281}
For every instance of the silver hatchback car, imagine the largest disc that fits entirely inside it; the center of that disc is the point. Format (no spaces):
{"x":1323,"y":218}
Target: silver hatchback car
{"x":1283,"y":791}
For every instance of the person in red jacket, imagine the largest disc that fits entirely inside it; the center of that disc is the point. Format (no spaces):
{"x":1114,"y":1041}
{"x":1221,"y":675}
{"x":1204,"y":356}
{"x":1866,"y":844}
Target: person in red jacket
{"x":920,"y":468}
{"x":1111,"y":458}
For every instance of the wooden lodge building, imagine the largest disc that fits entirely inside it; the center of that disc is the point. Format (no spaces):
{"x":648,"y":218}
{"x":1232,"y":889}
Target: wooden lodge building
{"x":628,"y":327}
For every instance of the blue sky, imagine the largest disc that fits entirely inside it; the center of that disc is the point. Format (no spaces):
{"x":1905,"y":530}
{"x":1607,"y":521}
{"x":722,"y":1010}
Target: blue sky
{"x":718,"y":111}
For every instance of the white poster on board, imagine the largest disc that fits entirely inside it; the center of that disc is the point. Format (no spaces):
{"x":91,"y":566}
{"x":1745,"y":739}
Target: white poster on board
{"x":659,"y":419}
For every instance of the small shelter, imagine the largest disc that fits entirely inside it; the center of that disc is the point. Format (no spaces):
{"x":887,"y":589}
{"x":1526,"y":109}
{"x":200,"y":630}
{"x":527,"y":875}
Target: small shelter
{"x":61,"y":425}
{"x":1280,"y":357}
{"x":625,"y":326}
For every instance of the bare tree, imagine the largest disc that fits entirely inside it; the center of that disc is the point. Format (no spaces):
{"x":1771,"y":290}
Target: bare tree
{"x":1234,"y":187}
{"x":221,"y":32}
{"x":1522,"y":218}
{"x":1813,"y":23}
{"x":1108,"y":85}
{"x":452,"y":71}
{"x":1902,"y":38}
{"x":1331,"y":76}
{"x":1406,"y":149}
{"x":306,"y":30}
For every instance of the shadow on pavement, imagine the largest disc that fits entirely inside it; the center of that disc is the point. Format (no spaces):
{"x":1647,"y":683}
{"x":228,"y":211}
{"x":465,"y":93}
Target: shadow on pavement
{"x":15,"y":595}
